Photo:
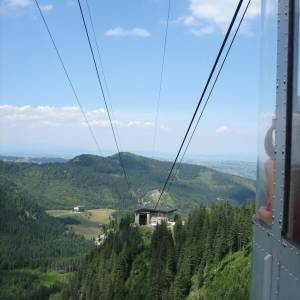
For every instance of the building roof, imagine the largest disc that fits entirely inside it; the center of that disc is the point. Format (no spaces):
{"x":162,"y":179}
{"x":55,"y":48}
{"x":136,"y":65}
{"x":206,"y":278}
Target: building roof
{"x":152,"y":210}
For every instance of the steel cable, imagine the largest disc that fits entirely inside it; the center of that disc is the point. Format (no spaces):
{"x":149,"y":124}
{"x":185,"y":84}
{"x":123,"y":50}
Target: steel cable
{"x":202,"y":96}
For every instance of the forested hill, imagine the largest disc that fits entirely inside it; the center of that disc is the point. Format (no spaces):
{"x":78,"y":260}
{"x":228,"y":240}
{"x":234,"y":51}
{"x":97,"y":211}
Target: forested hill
{"x":36,"y":251}
{"x":31,"y":238}
{"x":98,"y":182}
{"x":207,"y":257}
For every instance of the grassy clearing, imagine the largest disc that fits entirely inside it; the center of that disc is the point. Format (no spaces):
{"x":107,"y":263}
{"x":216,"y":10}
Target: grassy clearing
{"x":31,"y":284}
{"x":89,"y":220}
{"x":51,"y":277}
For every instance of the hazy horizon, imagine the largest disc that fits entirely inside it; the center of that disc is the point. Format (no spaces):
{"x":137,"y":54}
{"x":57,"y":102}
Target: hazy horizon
{"x":35,"y":153}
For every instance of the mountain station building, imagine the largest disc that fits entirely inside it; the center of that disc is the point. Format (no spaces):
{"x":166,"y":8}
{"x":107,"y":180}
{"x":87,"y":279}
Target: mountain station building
{"x":152,"y":216}
{"x":79,"y":208}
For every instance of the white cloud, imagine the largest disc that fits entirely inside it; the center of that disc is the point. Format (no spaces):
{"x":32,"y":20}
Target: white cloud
{"x":51,"y":129}
{"x":187,"y":20}
{"x":147,"y":125}
{"x":133,"y":123}
{"x":165,"y":128}
{"x":46,"y":7}
{"x":223,"y":129}
{"x":7,"y":6}
{"x":220,"y":12}
{"x":203,"y":31}
{"x":207,"y":16}
{"x":62,"y":116}
{"x":104,"y":123}
{"x":17,"y":3}
{"x":139,"y":124}
{"x":71,"y":3}
{"x":122,"y":32}
{"x":47,"y":114}
{"x":97,"y":123}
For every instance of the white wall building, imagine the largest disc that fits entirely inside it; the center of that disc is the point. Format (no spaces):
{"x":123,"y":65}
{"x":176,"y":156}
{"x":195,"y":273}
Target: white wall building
{"x":78,"y":208}
{"x":151,"y":216}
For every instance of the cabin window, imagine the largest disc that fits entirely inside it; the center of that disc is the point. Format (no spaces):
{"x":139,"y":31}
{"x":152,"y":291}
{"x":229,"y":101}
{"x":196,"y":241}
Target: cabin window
{"x":267,"y":117}
{"x":294,"y":168}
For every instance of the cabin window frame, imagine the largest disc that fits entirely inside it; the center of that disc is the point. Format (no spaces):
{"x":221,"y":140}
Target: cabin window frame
{"x":293,"y":67}
{"x":267,"y":116}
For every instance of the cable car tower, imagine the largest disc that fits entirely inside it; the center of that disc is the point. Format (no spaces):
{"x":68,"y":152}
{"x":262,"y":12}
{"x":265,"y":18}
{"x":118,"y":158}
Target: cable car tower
{"x":276,"y":242}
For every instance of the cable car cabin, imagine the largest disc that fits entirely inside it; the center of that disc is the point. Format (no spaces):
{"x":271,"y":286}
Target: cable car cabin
{"x":276,"y":244}
{"x":152,"y":217}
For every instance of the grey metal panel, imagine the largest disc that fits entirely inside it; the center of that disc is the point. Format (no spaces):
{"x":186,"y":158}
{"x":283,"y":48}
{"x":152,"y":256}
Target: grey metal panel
{"x":290,"y":259}
{"x":280,"y":140}
{"x":263,"y":236}
{"x":289,"y":286}
{"x":267,"y":281}
{"x":288,"y":273}
{"x":257,"y":284}
{"x":262,"y":247}
{"x":285,"y":257}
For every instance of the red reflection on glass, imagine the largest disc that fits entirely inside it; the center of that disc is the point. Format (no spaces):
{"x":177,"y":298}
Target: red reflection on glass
{"x":265,"y":212}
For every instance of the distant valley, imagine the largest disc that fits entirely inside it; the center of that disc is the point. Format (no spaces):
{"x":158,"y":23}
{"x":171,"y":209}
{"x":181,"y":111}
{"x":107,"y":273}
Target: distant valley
{"x":245,"y":169}
{"x":97,"y":182}
{"x":235,"y":167}
{"x":33,"y":160}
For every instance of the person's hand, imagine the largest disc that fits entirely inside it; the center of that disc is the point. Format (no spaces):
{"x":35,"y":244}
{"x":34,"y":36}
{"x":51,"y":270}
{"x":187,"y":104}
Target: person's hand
{"x":265,"y":215}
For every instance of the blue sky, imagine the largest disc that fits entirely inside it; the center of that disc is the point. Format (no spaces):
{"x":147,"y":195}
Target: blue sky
{"x":37,"y":108}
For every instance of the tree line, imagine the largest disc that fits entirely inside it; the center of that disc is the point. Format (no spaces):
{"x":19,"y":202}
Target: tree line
{"x":171,"y":263}
{"x":31,"y":245}
{"x":31,"y":238}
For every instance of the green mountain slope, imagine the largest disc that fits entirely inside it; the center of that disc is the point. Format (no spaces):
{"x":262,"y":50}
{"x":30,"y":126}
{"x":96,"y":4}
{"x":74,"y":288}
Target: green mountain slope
{"x":36,"y":252}
{"x":206,"y":257}
{"x":227,"y":280}
{"x":31,"y":238}
{"x":98,"y":182}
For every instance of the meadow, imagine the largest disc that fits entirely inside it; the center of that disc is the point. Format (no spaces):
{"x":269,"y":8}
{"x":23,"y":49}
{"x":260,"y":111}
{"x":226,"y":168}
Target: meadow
{"x":87,"y":223}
